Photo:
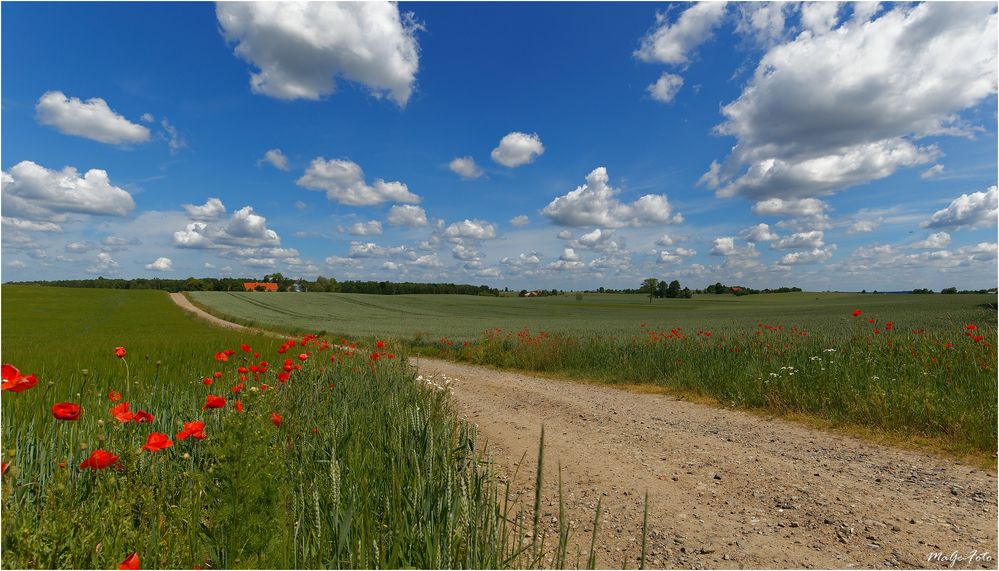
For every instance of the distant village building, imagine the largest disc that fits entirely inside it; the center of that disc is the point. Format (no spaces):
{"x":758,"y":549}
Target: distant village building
{"x":266,"y":286}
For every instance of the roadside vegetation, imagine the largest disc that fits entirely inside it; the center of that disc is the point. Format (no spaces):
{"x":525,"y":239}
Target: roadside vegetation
{"x":908,"y":365}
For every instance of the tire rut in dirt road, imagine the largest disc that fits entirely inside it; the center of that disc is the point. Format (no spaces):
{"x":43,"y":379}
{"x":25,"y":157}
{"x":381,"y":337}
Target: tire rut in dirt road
{"x":726,"y":488}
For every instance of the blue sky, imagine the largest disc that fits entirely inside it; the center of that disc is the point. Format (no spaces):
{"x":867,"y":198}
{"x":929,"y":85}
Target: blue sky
{"x":823,"y":145}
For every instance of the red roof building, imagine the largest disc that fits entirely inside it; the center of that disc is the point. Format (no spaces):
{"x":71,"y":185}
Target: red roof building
{"x":267,"y":286}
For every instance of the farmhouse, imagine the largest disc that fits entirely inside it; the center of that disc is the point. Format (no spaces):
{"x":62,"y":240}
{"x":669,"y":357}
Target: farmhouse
{"x":266,"y":286}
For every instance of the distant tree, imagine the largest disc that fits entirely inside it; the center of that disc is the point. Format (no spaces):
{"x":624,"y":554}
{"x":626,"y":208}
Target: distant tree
{"x":673,"y":291}
{"x":661,"y":289}
{"x":649,"y":286}
{"x":949,"y":290}
{"x":686,"y":293}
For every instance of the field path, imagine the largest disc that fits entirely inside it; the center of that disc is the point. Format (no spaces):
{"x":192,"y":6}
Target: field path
{"x":726,"y":488}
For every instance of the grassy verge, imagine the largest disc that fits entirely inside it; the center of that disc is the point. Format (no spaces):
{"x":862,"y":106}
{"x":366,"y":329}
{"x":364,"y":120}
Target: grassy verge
{"x":348,"y":461}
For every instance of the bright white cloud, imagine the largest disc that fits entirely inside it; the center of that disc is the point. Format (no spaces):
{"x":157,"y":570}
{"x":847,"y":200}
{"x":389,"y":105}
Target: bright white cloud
{"x":935,"y":241}
{"x":819,"y":17}
{"x":372,"y":250}
{"x":213,"y":209}
{"x":276,"y":159}
{"x":33,"y":192}
{"x":601,"y":240}
{"x":471,"y":229}
{"x":824,"y":112}
{"x":672,"y":43}
{"x":764,"y":22}
{"x":665,"y":240}
{"x":406,"y":215}
{"x":343,"y":182}
{"x":161,"y":265}
{"x":972,"y":210}
{"x":91,"y":119}
{"x":519,"y":221}
{"x":243,"y":229}
{"x":666,"y":87}
{"x":465,"y":167}
{"x":517,"y":149}
{"x":813,"y":256}
{"x":300,"y":47}
{"x":594,"y":204}
{"x":759,"y":233}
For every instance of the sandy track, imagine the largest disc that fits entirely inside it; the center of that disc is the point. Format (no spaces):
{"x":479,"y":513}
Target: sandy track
{"x":726,"y":488}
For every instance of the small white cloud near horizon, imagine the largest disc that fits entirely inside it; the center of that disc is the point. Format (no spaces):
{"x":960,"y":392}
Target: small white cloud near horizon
{"x":161,"y":265}
{"x":91,"y":119}
{"x":516,"y":149}
{"x":370,"y":228}
{"x":465,"y":167}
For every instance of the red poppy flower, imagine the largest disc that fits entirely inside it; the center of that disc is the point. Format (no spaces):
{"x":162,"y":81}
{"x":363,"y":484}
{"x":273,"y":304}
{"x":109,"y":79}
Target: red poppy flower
{"x":870,"y":321}
{"x":314,"y":430}
{"x":66,"y":411}
{"x":889,"y":325}
{"x":391,"y":355}
{"x":130,"y":562}
{"x":242,"y":370}
{"x":213,"y":402}
{"x":971,"y":327}
{"x":195,"y":429}
{"x":245,"y":348}
{"x":239,"y":406}
{"x":230,"y":352}
{"x":856,"y":312}
{"x":254,"y":369}
{"x":275,"y":419}
{"x":143,"y":416}
{"x":99,"y":459}
{"x":238,"y":388}
{"x":303,"y":356}
{"x":217,"y":374}
{"x":283,"y":377}
{"x":14,"y":381}
{"x":157,"y":441}
{"x":380,"y":344}
{"x":121,"y":412}
{"x":977,"y":338}
{"x":221,"y":356}
{"x":263,"y":386}
{"x":3,"y":468}
{"x":206,"y":381}
{"x":114,"y":396}
{"x":119,"y":352}
{"x":375,"y":356}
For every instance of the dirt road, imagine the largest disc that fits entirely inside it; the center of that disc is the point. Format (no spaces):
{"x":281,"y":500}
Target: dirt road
{"x":726,"y":488}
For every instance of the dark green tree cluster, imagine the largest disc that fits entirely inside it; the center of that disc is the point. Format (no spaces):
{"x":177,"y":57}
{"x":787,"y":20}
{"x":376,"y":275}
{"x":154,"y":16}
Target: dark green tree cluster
{"x":654,"y":288}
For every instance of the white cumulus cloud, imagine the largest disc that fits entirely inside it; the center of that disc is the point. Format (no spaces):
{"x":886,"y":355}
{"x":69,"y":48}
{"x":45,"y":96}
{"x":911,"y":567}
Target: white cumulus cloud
{"x":161,"y":265}
{"x":213,"y":209}
{"x":343,"y":182}
{"x":407,"y":215}
{"x":33,"y":192}
{"x":91,"y":119}
{"x":975,"y":209}
{"x":276,"y":159}
{"x":517,"y":149}
{"x":595,"y":204}
{"x":672,"y":43}
{"x":301,"y":47}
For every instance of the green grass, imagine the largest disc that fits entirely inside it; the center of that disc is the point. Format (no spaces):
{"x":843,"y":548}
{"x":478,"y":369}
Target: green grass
{"x":798,"y":353}
{"x":368,"y":468}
